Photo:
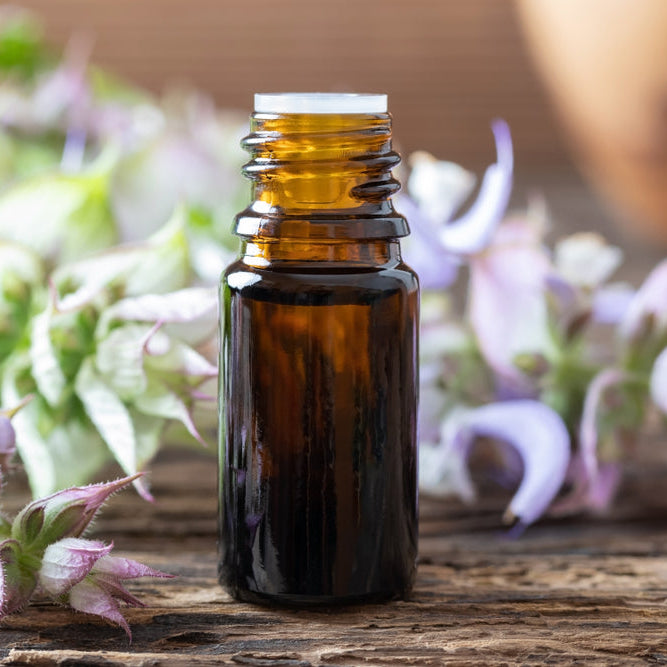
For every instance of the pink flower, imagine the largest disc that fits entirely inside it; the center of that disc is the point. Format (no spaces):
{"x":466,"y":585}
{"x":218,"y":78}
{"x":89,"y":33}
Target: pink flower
{"x":437,"y":244}
{"x":65,"y":563}
{"x":45,"y":551}
{"x":81,"y":573}
{"x":507,"y":301}
{"x":539,"y":437}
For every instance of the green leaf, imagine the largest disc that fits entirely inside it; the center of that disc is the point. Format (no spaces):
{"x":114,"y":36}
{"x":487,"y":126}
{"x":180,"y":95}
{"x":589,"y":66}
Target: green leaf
{"x":22,"y":51}
{"x":191,"y":314}
{"x":181,"y":360}
{"x":120,"y":360}
{"x":108,"y":414}
{"x":21,"y":274}
{"x":30,"y":444}
{"x":72,"y":214}
{"x":159,"y":401}
{"x":46,"y":369}
{"x":78,"y":452}
{"x":20,"y":578}
{"x":5,"y":527}
{"x":166,"y":266}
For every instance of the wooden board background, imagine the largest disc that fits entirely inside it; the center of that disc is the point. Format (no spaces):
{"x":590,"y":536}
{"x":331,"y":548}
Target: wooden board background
{"x":449,"y":66}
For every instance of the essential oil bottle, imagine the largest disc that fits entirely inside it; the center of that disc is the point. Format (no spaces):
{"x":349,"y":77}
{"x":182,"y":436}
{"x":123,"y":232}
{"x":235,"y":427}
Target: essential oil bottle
{"x":318,"y":392}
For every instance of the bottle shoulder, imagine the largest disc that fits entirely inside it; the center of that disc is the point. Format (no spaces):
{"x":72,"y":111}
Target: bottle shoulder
{"x":292,"y":277}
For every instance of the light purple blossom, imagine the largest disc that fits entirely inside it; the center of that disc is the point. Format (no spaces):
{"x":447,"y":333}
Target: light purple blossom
{"x":507,"y":303}
{"x":611,"y":303}
{"x":542,"y":441}
{"x":45,"y":552}
{"x":437,"y":244}
{"x":588,"y":429}
{"x":649,"y":302}
{"x":82,"y":573}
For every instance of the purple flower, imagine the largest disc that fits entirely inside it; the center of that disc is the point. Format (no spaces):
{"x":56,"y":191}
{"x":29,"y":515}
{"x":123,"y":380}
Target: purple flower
{"x":436,"y":244}
{"x":539,"y":436}
{"x":588,"y":429}
{"x":46,"y":552}
{"x":649,"y":303}
{"x":507,"y":302}
{"x":81,"y":573}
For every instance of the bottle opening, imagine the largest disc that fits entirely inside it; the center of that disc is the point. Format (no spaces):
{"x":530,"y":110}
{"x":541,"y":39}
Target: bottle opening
{"x":334,"y":103}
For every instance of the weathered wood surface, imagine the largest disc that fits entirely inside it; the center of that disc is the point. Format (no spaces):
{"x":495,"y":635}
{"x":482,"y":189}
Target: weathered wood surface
{"x":576,"y":591}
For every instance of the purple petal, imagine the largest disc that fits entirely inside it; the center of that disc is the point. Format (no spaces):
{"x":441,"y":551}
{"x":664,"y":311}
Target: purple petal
{"x":588,"y":432}
{"x":7,"y":442}
{"x":588,"y":494}
{"x":115,"y":588}
{"x":541,"y":439}
{"x":472,"y":232}
{"x":650,"y":300}
{"x":507,"y":304}
{"x":436,"y":268}
{"x":87,"y":596}
{"x":602,"y":490}
{"x":66,"y":562}
{"x":124,"y":568}
{"x":659,"y":381}
{"x":611,"y":303}
{"x":562,"y":291}
{"x":432,"y":404}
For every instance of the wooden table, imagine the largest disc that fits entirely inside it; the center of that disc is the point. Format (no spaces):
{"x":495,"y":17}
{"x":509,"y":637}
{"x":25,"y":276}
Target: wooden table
{"x":579,"y":591}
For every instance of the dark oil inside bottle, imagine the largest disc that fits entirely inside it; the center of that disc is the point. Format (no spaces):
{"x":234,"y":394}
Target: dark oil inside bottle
{"x":319,"y":478}
{"x":318,"y":497}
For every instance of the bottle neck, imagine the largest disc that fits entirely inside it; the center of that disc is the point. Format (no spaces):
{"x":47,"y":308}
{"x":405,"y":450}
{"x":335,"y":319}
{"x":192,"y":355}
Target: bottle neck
{"x":351,"y":252}
{"x":321,"y":176}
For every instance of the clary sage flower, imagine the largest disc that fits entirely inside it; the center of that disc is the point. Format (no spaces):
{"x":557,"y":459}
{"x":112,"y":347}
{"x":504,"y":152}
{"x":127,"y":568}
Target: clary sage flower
{"x":550,"y":359}
{"x":42,"y":551}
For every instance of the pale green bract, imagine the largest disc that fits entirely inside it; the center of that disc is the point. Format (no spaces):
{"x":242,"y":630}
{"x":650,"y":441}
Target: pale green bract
{"x":115,"y":212}
{"x":106,"y":369}
{"x":59,"y":216}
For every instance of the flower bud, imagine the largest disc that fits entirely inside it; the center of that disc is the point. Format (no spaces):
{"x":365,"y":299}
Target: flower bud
{"x":63,"y":514}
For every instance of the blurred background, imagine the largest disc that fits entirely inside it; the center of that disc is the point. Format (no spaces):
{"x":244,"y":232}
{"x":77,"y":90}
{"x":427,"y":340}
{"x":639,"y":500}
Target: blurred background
{"x":449,"y":67}
{"x":580,"y":83}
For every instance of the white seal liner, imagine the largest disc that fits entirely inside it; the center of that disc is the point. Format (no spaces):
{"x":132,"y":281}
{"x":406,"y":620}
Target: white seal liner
{"x":320,"y":103}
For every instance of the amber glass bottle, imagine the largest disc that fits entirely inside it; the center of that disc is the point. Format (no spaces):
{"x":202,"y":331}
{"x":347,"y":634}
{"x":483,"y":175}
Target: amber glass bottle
{"x":318,"y":498}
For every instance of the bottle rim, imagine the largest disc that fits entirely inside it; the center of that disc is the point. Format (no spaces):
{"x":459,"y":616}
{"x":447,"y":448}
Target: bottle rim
{"x":321,"y":103}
